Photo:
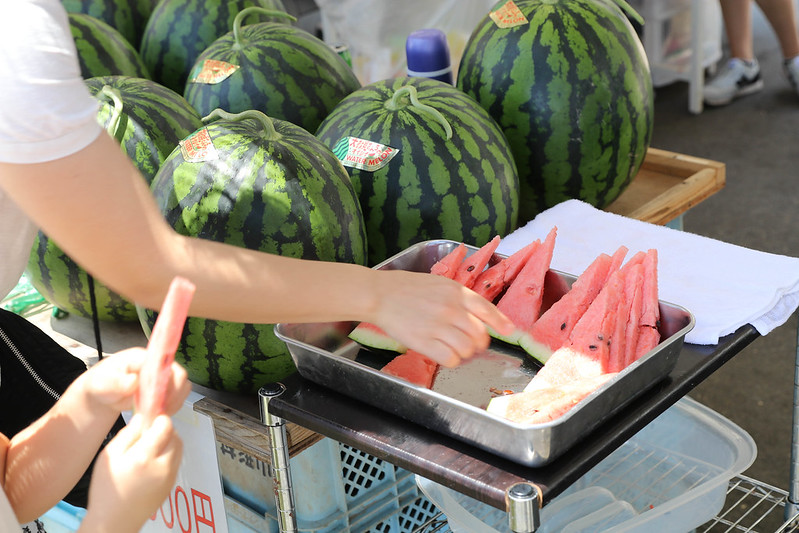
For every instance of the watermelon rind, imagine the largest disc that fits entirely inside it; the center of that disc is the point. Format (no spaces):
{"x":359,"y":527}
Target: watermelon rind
{"x":102,"y":50}
{"x":572,"y":91}
{"x":279,"y":192}
{"x":371,"y":338}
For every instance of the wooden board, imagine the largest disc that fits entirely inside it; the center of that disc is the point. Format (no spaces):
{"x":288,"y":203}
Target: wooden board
{"x":667,"y":185}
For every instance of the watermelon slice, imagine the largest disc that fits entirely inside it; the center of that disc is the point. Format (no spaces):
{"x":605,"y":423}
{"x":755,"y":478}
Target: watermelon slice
{"x":633,"y":291}
{"x":373,"y":336}
{"x":471,"y":267}
{"x":156,"y":372}
{"x":649,"y":335}
{"x":553,"y":327}
{"x":414,"y":367}
{"x":492,"y":281}
{"x":617,"y":357}
{"x":448,"y":265}
{"x":521,"y":303}
{"x":544,"y":405}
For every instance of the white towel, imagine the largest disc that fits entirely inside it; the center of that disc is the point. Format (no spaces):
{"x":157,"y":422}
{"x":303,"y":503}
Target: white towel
{"x":725,"y":286}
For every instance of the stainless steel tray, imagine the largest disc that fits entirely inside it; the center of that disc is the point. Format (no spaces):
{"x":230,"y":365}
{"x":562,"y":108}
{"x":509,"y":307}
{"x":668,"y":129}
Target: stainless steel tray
{"x":455,"y":406}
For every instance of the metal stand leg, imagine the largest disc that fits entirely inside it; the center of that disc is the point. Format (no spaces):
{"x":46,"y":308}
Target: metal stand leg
{"x":284,"y":496}
{"x":524,"y":501}
{"x":792,"y":505}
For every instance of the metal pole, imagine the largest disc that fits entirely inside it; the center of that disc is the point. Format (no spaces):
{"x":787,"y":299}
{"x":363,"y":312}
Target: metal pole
{"x":278,"y":439}
{"x":792,"y":505}
{"x":524,"y":501}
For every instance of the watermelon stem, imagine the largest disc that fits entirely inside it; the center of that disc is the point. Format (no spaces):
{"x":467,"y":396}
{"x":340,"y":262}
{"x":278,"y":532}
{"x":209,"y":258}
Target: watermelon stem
{"x":627,"y":8}
{"x":396,"y":103}
{"x":255,"y":9}
{"x":116,"y":126}
{"x":269,"y":132}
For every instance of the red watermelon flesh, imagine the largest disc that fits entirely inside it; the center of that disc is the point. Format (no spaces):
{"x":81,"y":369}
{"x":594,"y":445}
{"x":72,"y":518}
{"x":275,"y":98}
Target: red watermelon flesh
{"x":617,"y":358}
{"x":521,"y":303}
{"x":448,"y":265}
{"x":373,"y":336}
{"x":617,"y":259}
{"x":414,"y":367}
{"x":473,"y":265}
{"x":649,"y":336}
{"x":492,"y":281}
{"x":553,"y":327}
{"x":544,"y":405}
{"x":633,"y":291}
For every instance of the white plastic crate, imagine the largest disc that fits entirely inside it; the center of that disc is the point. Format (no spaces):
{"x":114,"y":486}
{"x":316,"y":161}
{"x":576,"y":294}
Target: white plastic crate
{"x":336,"y":489}
{"x":672,"y":476}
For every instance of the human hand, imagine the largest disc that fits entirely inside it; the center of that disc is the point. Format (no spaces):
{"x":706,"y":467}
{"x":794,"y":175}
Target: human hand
{"x":133,"y":476}
{"x":436,"y":316}
{"x":113,"y":381}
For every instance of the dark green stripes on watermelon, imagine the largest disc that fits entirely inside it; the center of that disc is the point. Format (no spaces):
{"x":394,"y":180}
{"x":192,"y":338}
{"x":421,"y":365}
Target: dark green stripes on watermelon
{"x":126,"y":16}
{"x":179,"y":30}
{"x":572,"y":91}
{"x":283,"y":71}
{"x":102,"y":50}
{"x":281,"y":192}
{"x":153,"y":119}
{"x":463,"y":188}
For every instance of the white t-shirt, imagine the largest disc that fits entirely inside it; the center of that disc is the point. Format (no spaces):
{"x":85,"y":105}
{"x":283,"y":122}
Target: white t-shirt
{"x":46,"y":110}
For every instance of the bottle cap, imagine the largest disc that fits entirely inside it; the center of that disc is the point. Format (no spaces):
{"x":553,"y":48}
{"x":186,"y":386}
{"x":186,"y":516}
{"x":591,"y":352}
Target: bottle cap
{"x":427,"y":54}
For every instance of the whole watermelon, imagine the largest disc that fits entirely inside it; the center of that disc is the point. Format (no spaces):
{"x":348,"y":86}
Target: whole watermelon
{"x":126,"y":16}
{"x":570,"y":86}
{"x":268,"y":185}
{"x":283,"y":71}
{"x":452,"y":175}
{"x":149,"y":121}
{"x":179,"y":30}
{"x":102,"y":50}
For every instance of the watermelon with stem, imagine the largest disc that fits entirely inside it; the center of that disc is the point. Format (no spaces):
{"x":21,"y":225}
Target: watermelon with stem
{"x":148,"y":120}
{"x":569,"y":83}
{"x":179,"y":30}
{"x":427,"y":163}
{"x":276,"y":68}
{"x":102,"y":50}
{"x":267,"y":185}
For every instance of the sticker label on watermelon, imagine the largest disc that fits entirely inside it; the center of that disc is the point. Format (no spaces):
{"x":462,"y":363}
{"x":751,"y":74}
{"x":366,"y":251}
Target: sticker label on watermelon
{"x":508,"y":16}
{"x":363,"y":154}
{"x":198,"y":147}
{"x":212,"y":71}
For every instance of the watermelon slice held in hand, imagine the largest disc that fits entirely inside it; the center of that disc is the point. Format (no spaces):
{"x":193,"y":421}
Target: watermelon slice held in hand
{"x":373,"y":336}
{"x":156,"y":372}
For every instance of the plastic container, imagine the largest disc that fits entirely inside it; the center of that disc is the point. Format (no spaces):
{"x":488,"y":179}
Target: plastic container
{"x":336,"y":489}
{"x":672,"y":476}
{"x":63,"y":518}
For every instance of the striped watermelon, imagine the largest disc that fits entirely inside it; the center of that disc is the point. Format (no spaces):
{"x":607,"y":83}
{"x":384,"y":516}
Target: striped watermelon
{"x":179,"y":30}
{"x":572,"y":91}
{"x":102,"y":50}
{"x":264,"y":185}
{"x":283,"y":71}
{"x":451,"y":174}
{"x":149,"y":120}
{"x":128,"y":18}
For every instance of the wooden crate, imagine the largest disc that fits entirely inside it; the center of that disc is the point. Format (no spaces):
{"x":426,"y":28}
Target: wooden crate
{"x":667,"y":185}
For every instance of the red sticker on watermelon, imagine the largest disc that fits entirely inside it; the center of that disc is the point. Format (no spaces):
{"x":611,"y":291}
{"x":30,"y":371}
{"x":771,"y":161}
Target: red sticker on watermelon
{"x":156,"y":372}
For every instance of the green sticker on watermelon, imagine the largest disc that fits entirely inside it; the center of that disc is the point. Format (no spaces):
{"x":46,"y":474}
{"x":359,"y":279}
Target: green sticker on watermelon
{"x":362,"y":154}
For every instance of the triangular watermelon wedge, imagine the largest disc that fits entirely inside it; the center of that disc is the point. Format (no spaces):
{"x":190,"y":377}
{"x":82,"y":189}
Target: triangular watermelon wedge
{"x":471,"y":267}
{"x":448,"y":265}
{"x":373,"y":336}
{"x":521,"y":302}
{"x":633,"y":290}
{"x":618,"y":358}
{"x":553,"y":327}
{"x":493,"y":280}
{"x":649,"y":334}
{"x":414,"y":367}
{"x":544,"y":405}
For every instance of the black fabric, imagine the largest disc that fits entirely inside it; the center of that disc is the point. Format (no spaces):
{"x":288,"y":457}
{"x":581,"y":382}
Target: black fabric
{"x":22,"y":398}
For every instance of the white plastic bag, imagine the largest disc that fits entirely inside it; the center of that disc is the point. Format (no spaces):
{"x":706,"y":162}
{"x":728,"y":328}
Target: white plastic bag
{"x":375,"y":30}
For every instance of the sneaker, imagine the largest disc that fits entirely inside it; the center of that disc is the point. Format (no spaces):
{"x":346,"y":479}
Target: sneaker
{"x":791,"y":68}
{"x":737,"y":78}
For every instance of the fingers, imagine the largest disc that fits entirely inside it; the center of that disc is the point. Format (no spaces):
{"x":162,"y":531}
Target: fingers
{"x":179,"y":389}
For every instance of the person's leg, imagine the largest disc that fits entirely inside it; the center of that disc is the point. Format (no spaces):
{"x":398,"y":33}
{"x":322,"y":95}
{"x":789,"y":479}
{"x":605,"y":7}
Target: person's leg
{"x":741,"y":74}
{"x":737,"y":16}
{"x":782,"y":18}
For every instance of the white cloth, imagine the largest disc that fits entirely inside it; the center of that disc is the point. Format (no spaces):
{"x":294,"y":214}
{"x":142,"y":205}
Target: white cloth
{"x":725,"y":286}
{"x":8,"y":520}
{"x":46,"y":110}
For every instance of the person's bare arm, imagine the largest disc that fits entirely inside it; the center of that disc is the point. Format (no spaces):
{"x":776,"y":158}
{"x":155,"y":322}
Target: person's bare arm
{"x":99,"y":210}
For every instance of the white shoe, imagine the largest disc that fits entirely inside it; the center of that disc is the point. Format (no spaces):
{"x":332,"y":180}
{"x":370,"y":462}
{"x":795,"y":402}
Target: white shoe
{"x":737,"y":78}
{"x":791,"y":68}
